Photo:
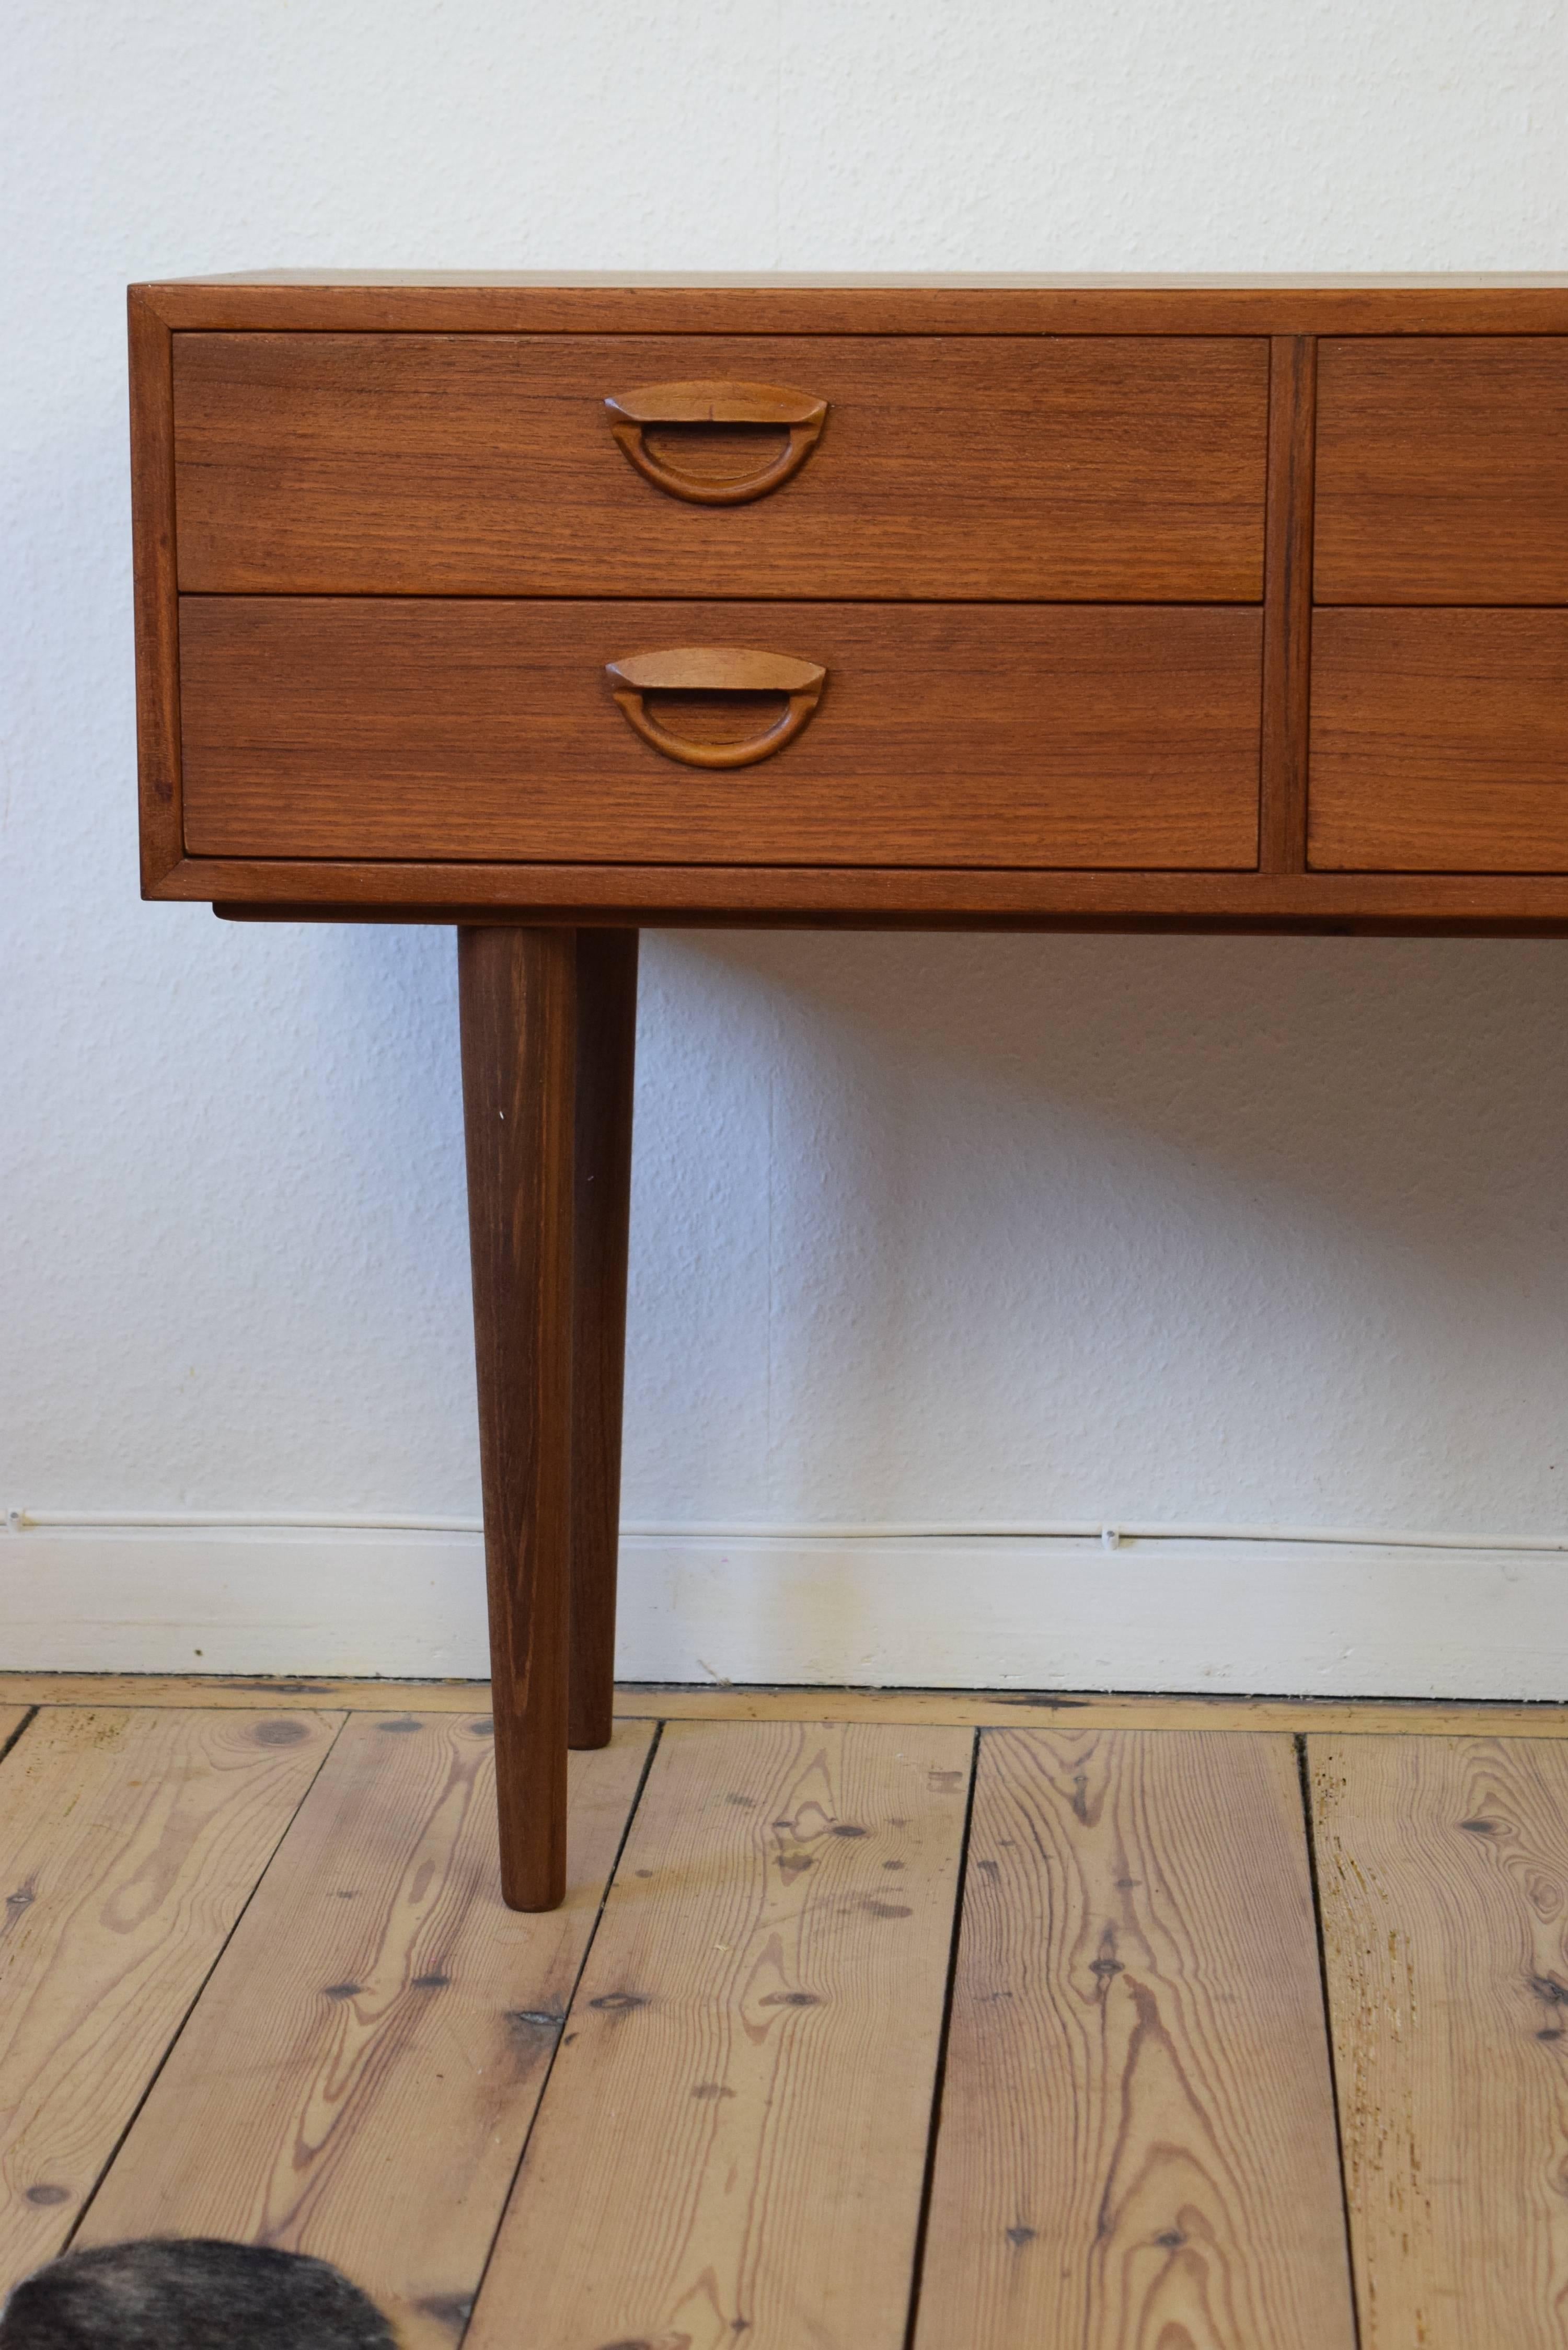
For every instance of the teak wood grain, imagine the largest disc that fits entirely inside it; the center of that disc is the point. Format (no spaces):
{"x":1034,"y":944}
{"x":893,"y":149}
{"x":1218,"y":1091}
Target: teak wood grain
{"x":1440,"y":740}
{"x":1037,"y":734}
{"x":517,"y":998}
{"x":733,"y":2144}
{"x":772,"y":303}
{"x":1474,"y":360}
{"x":1137,"y":2137}
{"x":1443,"y":1866}
{"x":1098,"y":468}
{"x":361,"y":2072}
{"x":155,"y":593}
{"x":872,"y":898}
{"x":1443,"y":471}
{"x":130,"y":1843}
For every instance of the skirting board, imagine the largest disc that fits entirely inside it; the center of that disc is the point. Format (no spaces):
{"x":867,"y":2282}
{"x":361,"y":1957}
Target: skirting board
{"x":1311,"y":1618}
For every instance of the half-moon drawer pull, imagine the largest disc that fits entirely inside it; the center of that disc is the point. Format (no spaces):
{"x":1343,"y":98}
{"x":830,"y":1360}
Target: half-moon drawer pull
{"x":699,"y":404}
{"x":716,"y":668}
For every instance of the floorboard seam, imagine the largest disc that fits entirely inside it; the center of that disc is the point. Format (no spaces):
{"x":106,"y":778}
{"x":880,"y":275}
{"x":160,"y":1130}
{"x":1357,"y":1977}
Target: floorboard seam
{"x":938,"y":2081}
{"x":1310,"y":1825}
{"x":29,"y":1719}
{"x":91,"y":2198}
{"x":610,"y":1875}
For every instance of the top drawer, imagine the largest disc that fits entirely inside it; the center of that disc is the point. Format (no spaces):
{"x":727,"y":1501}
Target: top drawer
{"x":1101,"y":468}
{"x":1442,"y":471}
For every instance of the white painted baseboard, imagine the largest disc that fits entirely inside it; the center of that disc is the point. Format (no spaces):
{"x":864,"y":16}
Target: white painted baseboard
{"x":1305,"y":1617}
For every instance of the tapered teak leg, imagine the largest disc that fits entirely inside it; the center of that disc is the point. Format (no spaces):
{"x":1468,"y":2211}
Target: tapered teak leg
{"x":518,"y":998}
{"x":607,"y":1041}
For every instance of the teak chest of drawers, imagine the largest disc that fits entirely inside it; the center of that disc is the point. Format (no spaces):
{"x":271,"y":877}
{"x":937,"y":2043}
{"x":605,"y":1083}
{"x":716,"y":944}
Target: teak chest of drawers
{"x":555,"y":608}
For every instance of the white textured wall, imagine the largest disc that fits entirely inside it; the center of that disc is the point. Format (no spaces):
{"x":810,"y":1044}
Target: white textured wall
{"x":958,"y":1230}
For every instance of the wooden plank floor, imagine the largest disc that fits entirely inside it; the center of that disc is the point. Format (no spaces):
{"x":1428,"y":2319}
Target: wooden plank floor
{"x":863,"y":2024}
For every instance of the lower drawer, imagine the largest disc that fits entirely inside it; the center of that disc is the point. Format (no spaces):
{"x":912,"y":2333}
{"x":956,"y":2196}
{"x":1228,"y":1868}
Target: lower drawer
{"x":942,"y":734}
{"x":1439,"y":742}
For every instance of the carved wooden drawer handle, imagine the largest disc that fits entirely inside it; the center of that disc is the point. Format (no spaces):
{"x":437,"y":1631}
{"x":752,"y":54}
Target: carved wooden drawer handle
{"x":716,"y":668}
{"x":717,"y":403}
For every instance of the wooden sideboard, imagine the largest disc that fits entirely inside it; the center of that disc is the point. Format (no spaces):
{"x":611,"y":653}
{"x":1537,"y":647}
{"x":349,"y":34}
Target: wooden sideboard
{"x":554,"y":607}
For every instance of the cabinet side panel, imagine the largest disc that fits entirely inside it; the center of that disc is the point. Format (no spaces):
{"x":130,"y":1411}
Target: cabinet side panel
{"x":157,"y":613}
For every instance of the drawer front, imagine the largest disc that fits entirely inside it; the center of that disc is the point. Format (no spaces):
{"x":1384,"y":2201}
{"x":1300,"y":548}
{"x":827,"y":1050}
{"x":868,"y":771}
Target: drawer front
{"x":1095,"y":467}
{"x":1004,"y":735}
{"x":1439,"y":742}
{"x":1442,"y":471}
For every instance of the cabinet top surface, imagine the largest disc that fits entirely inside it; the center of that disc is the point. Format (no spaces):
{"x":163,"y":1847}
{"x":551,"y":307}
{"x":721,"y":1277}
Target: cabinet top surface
{"x":697,"y":302}
{"x":762,"y":281}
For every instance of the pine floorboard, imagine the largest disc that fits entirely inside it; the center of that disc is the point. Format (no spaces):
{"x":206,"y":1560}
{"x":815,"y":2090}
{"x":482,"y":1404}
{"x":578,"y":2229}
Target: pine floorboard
{"x":1444,"y":1872}
{"x":733,"y":2144}
{"x":130,"y":1843}
{"x":816,"y":2058}
{"x":1138,"y":2139}
{"x":359,"y":2077}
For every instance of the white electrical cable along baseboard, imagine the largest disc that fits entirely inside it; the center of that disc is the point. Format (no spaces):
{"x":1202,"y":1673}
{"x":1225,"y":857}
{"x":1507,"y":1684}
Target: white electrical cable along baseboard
{"x":1277,"y":1610}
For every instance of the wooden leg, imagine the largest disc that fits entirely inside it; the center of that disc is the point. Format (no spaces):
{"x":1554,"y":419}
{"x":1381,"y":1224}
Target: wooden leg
{"x":607,"y":1041}
{"x":517,"y":992}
